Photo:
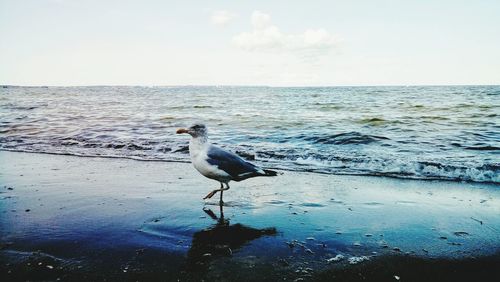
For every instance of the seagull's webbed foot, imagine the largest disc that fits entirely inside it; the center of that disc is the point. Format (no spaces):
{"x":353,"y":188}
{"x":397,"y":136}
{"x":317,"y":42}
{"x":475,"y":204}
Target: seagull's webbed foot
{"x":211,"y":194}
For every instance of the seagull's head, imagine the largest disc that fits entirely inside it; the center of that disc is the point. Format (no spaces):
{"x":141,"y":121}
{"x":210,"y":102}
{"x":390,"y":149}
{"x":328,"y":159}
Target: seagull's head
{"x":195,"y":130}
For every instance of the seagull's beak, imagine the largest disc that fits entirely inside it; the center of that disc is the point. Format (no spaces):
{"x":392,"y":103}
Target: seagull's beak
{"x":181,"y":130}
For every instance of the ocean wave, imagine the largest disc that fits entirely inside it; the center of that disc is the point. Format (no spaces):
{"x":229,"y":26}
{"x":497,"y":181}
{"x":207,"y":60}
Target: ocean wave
{"x":483,"y":148}
{"x":373,"y":121}
{"x":423,"y":170}
{"x":447,"y":133}
{"x":334,"y":160}
{"x":489,"y":173}
{"x":346,"y":138}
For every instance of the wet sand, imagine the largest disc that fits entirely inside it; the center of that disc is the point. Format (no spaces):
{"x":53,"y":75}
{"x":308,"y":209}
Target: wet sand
{"x":75,"y":218}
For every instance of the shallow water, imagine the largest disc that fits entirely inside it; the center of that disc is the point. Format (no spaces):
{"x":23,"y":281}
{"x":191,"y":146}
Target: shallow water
{"x":425,"y":132}
{"x":117,"y":217}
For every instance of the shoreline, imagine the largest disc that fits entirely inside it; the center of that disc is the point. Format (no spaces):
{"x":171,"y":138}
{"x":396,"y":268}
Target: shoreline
{"x":116,"y":218}
{"x":389,"y":176}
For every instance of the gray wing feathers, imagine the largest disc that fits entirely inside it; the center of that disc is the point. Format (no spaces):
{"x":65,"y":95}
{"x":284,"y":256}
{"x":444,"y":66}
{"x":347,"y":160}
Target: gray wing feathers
{"x":232,"y":164}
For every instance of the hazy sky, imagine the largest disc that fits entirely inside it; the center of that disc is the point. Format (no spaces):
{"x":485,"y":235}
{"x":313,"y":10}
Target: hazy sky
{"x":383,"y":42}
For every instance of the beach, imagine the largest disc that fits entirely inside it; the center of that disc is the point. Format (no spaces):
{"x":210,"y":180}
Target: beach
{"x":249,"y":141}
{"x":89,"y":218}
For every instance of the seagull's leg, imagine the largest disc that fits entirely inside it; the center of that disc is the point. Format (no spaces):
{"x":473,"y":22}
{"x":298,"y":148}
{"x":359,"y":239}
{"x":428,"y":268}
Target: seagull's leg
{"x":221,"y":202}
{"x":211,"y":194}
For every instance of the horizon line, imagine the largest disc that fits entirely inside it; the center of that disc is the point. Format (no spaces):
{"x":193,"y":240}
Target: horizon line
{"x":243,"y":85}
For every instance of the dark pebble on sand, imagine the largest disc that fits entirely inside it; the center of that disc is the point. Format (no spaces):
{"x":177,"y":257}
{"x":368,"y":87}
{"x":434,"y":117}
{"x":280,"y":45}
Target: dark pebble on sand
{"x":284,"y":262}
{"x":5,"y":245}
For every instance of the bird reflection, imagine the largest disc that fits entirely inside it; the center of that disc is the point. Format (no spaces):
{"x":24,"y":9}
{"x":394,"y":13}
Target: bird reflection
{"x":220,"y":240}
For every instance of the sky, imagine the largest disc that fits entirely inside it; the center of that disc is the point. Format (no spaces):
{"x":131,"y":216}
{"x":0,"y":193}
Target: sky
{"x":260,"y":42}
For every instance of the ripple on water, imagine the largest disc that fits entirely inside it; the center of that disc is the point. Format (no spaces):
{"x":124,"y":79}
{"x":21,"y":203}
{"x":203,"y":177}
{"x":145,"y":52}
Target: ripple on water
{"x":373,"y":204}
{"x":336,"y":201}
{"x":312,"y":205}
{"x":406,"y":203}
{"x":276,"y":202}
{"x":240,"y":204}
{"x":170,"y":231}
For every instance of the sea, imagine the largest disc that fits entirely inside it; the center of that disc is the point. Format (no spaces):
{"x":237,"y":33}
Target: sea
{"x":415,"y":132}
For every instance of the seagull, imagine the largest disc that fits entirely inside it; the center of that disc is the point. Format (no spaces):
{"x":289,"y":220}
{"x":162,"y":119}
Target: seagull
{"x":216,"y":163}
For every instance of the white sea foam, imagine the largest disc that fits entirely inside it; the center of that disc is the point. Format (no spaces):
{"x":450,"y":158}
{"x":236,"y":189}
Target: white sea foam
{"x":356,"y":260}
{"x":336,"y":258}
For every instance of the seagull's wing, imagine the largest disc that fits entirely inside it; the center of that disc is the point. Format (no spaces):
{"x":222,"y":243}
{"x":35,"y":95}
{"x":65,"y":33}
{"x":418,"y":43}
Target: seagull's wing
{"x":232,"y":164}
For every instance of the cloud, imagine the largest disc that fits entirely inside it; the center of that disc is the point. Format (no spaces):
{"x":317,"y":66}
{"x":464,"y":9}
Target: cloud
{"x":222,"y":17}
{"x":260,"y":20}
{"x":267,"y":37}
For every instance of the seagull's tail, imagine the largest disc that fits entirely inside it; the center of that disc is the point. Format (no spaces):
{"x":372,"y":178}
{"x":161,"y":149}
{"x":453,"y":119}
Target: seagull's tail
{"x":270,"y":172}
{"x":260,"y":172}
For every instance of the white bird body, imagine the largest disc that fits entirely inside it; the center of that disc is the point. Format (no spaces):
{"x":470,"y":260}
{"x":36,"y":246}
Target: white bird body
{"x":216,"y":163}
{"x":198,"y":150}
